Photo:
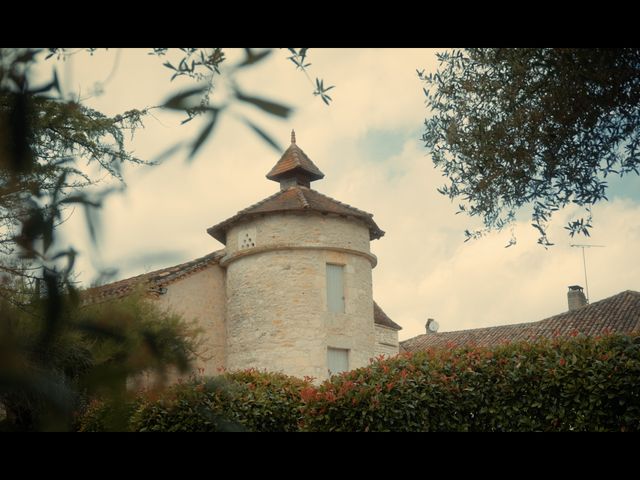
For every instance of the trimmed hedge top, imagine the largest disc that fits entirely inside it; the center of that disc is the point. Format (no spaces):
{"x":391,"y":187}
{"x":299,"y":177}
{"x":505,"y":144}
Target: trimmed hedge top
{"x":239,"y":401}
{"x":581,"y":384}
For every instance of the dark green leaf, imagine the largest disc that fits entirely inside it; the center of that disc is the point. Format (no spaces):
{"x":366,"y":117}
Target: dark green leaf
{"x":273,"y":108}
{"x":204,"y":134}
{"x":168,"y":152}
{"x":177,"y":102}
{"x":252,"y":58}
{"x":263,"y":135}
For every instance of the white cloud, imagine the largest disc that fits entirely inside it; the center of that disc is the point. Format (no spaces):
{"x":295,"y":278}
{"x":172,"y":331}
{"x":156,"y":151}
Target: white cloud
{"x":483,"y":284}
{"x":367,"y":143}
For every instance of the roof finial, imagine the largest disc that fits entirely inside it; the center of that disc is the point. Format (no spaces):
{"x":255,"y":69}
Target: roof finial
{"x":293,"y":136}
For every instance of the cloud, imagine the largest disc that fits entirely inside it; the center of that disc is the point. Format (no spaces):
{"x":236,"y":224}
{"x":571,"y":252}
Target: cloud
{"x":368,"y":145}
{"x":483,"y":284}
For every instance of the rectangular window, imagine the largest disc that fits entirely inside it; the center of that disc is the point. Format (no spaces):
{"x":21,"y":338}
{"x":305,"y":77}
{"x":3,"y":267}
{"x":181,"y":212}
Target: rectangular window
{"x":337,"y":360}
{"x":335,"y":288}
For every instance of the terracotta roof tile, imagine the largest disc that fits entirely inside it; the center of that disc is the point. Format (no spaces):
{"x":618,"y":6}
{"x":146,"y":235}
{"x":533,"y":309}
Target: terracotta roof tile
{"x":294,"y":159}
{"x":381,"y":318}
{"x":296,"y":198}
{"x":153,"y":280}
{"x":617,"y":314}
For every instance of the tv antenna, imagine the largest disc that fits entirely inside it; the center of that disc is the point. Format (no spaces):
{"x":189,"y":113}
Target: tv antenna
{"x":584,"y":262}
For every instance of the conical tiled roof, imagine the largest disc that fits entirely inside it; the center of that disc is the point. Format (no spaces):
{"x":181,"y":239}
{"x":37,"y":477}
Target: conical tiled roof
{"x":295,"y":171}
{"x":296,"y":198}
{"x":294,"y":162}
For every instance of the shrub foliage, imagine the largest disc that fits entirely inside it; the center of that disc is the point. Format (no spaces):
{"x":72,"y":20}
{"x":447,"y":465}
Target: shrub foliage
{"x":581,"y":384}
{"x":247,"y":400}
{"x":47,"y":372}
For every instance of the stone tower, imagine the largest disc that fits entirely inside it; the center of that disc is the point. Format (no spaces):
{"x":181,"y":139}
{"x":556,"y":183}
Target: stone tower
{"x":298,"y":277}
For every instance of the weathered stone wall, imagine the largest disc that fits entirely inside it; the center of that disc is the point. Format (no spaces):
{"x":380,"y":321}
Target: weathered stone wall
{"x":200,"y":299}
{"x":277,"y":315}
{"x":307,"y":229}
{"x":386,"y":341}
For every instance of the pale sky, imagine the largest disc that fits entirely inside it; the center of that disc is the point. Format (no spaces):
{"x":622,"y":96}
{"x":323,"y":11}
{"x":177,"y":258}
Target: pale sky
{"x":368,"y":145}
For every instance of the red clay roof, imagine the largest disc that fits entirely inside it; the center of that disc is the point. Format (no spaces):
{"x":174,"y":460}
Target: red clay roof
{"x":153,"y":280}
{"x":617,"y":314}
{"x":294,"y":160}
{"x":381,"y":318}
{"x":296,"y":199}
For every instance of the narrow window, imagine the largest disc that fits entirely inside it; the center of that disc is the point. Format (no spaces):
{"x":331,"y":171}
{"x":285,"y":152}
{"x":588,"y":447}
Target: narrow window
{"x":337,"y":360}
{"x":335,"y":288}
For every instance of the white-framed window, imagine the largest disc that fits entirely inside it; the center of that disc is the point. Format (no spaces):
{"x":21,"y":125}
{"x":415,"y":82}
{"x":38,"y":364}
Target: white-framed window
{"x":335,"y":288}
{"x":337,"y":360}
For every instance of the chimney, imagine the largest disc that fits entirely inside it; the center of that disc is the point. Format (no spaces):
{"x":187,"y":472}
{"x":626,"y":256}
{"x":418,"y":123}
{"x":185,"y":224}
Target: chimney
{"x":576,"y":297}
{"x":431,"y":326}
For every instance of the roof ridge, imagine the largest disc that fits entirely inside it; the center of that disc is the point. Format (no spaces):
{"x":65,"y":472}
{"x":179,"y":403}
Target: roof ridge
{"x":297,"y":198}
{"x":381,"y":318}
{"x":242,"y":212}
{"x":116,"y":283}
{"x":341,"y":203}
{"x":302,"y":198}
{"x":594,"y":304}
{"x":534,"y":323}
{"x":618,"y":313}
{"x":257,"y":204}
{"x":192,"y":266}
{"x":294,"y":158}
{"x":466,"y":330}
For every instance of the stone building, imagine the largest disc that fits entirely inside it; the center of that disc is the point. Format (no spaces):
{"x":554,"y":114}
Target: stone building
{"x":291,"y":289}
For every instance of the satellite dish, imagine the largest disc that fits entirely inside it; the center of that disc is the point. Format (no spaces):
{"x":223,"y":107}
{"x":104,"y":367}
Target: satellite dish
{"x":432,"y":325}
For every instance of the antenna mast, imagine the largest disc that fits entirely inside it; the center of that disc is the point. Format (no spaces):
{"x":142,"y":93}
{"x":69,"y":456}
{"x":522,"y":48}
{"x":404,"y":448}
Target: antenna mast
{"x":584,"y":263}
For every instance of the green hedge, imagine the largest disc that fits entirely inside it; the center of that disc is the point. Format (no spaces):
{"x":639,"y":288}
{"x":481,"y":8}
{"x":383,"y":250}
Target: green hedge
{"x":562,"y":385}
{"x":240,"y":401}
{"x":581,"y":384}
{"x":112,"y":416}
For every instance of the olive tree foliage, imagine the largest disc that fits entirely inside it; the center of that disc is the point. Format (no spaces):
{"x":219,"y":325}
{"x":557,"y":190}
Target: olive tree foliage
{"x":54,"y":348}
{"x":45,"y":141}
{"x":49,"y":139}
{"x":203,"y":66}
{"x":48,"y":339}
{"x":537,"y":128}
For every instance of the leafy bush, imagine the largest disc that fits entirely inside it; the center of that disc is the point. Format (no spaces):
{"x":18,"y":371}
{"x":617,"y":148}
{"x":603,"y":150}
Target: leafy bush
{"x":107,"y":416}
{"x":48,"y":371}
{"x":581,"y":384}
{"x":183,"y":408}
{"x":239,"y":401}
{"x":262,"y":401}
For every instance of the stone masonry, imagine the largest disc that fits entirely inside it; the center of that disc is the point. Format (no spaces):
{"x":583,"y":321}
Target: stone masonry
{"x":261,"y":302}
{"x":276,"y":294}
